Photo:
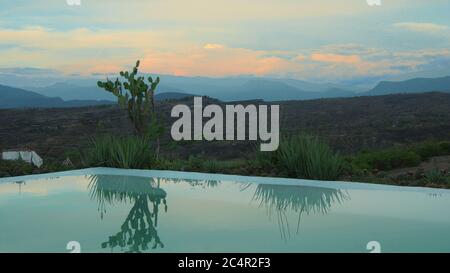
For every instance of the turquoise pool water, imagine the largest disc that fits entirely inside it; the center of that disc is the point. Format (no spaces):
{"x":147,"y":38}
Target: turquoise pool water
{"x":109,"y":210}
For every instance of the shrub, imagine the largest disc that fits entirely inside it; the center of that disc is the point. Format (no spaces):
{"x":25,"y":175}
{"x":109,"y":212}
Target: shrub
{"x":211,"y":166}
{"x":128,"y":152}
{"x":308,"y":157}
{"x":15,"y":168}
{"x":435,"y":176}
{"x":194,"y":163}
{"x":400,"y":157}
{"x":173,"y":165}
{"x":387,"y":159}
{"x":227,"y":166}
{"x":432,"y":148}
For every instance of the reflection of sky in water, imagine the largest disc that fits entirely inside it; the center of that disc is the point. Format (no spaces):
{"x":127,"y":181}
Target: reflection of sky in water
{"x":191,"y":215}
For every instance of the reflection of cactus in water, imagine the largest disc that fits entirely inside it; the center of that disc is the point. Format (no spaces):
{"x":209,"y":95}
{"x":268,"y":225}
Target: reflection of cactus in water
{"x":139,"y":228}
{"x":299,"y":199}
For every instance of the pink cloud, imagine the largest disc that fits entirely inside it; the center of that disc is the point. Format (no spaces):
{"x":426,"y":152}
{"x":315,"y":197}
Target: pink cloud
{"x":214,"y":60}
{"x":335,"y":58}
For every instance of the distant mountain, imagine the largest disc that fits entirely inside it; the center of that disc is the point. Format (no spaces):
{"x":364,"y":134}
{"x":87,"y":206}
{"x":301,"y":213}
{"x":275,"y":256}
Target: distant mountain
{"x":11,"y":97}
{"x":318,"y":87}
{"x":81,"y":103}
{"x":171,"y":96}
{"x":69,"y":91}
{"x":263,"y":89}
{"x":274,"y":90}
{"x":417,"y":85}
{"x":249,"y":87}
{"x":226,"y":89}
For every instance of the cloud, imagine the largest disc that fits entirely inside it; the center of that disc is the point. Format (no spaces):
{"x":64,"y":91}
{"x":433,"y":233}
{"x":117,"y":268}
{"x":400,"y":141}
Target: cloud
{"x":213,"y":46}
{"x":82,"y":38}
{"x":30,"y":71}
{"x":422,"y":27}
{"x":82,"y":48}
{"x":335,"y":58}
{"x":208,"y":61}
{"x":87,"y":51}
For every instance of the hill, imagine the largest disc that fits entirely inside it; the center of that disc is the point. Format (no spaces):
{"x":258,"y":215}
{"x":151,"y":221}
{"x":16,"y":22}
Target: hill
{"x":348,"y":124}
{"x":69,"y":91}
{"x":11,"y":97}
{"x":417,"y":85}
{"x":171,"y":96}
{"x":226,"y":89}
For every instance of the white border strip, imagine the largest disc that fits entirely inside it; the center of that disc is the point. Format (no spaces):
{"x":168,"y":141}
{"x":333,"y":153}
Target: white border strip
{"x":226,"y":177}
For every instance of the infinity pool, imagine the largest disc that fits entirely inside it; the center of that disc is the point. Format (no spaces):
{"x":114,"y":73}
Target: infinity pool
{"x":111,"y":210}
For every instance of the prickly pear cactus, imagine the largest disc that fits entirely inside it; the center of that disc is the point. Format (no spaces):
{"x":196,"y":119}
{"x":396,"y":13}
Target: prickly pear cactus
{"x":136,"y":96}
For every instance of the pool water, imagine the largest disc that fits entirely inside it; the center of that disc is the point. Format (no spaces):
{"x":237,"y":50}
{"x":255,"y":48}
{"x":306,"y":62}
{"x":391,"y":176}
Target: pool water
{"x":105,"y":211}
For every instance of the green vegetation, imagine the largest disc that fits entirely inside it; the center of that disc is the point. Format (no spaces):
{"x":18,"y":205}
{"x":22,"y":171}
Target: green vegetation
{"x":386,"y":159}
{"x":435,"y":176}
{"x":399,"y":157}
{"x":15,"y":168}
{"x":18,"y":167}
{"x":431,"y":148}
{"x":137,"y":98}
{"x":199,"y":164}
{"x":128,"y":152}
{"x":299,"y":156}
{"x":304,"y":156}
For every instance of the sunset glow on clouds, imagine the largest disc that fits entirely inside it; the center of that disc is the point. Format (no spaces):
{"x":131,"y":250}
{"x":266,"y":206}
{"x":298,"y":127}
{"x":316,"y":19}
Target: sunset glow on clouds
{"x":300,"y":39}
{"x":335,"y":58}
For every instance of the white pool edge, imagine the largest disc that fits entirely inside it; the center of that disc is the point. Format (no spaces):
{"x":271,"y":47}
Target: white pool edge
{"x":225,"y":177}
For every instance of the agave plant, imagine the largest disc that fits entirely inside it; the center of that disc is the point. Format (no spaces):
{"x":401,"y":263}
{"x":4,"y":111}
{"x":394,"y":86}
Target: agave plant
{"x":435,"y":176}
{"x":128,"y":152}
{"x":308,"y":157}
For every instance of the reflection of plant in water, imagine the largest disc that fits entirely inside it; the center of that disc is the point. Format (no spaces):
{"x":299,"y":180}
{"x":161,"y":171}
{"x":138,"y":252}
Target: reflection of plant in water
{"x":139,"y":228}
{"x":198,"y":183}
{"x":299,"y":199}
{"x":434,"y":194}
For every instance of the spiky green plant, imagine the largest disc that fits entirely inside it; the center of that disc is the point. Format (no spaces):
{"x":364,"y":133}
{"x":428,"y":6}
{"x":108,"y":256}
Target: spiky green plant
{"x":307,"y":157}
{"x":435,"y":176}
{"x":128,"y":152}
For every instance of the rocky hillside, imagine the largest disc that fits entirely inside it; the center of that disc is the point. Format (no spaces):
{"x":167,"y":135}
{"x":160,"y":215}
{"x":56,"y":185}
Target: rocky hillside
{"x":349,"y":124}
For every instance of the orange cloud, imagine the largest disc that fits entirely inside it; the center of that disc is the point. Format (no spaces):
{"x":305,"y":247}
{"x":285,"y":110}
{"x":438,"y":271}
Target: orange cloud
{"x":207,"y":62}
{"x":336,"y":58}
{"x":213,"y":46}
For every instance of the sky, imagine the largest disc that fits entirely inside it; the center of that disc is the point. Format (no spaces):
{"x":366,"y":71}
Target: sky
{"x":317,"y":40}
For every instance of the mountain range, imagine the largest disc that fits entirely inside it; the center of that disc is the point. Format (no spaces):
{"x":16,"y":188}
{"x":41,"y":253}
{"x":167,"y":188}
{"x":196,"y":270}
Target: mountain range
{"x":417,"y":85}
{"x":11,"y":97}
{"x":85,"y":92}
{"x":226,"y":89}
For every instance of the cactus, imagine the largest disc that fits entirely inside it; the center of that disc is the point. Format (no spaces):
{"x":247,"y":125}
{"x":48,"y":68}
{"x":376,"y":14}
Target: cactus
{"x":137,"y":97}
